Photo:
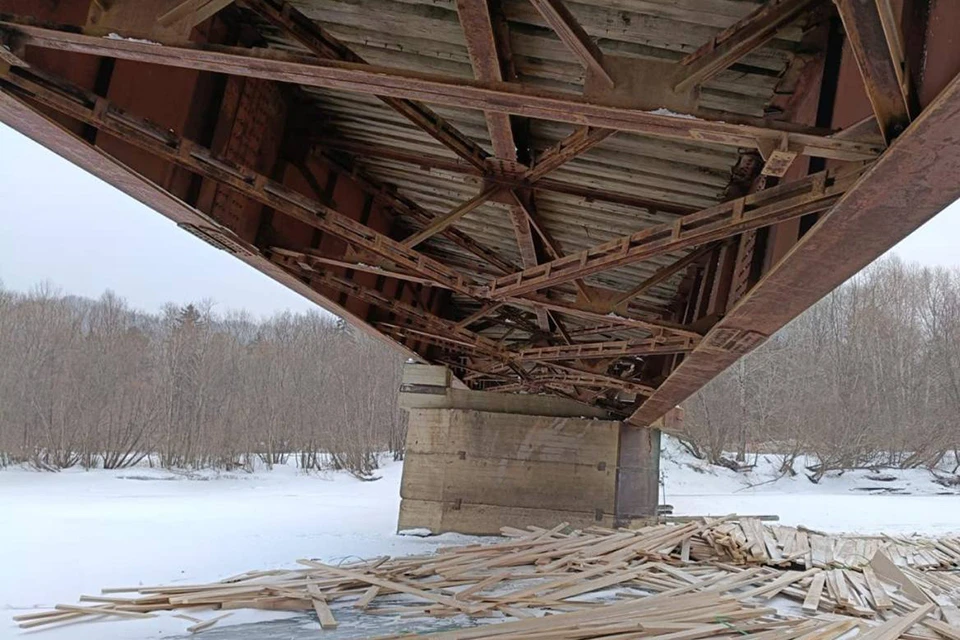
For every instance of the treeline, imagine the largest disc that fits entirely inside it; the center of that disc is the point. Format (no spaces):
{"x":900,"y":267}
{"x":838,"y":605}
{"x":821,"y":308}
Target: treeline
{"x":868,"y":377}
{"x":95,"y":384}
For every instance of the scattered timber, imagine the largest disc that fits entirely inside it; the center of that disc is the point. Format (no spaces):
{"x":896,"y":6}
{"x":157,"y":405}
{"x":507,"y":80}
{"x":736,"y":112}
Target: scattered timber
{"x":706,"y":578}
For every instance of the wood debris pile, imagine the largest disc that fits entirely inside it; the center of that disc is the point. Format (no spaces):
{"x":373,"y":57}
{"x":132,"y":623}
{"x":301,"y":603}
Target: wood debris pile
{"x":702,"y":579}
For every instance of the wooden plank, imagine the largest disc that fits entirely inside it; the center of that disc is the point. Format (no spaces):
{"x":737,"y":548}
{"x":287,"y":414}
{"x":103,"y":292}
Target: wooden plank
{"x":324,"y":615}
{"x":812,"y":600}
{"x":881,"y":599}
{"x":206,"y":624}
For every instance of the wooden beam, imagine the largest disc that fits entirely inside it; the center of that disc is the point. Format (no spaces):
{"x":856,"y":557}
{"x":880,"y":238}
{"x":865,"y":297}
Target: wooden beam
{"x":440,"y":89}
{"x":815,"y":193}
{"x":876,"y":46}
{"x":565,"y":25}
{"x":285,"y":16}
{"x":74,"y":101}
{"x":736,"y":41}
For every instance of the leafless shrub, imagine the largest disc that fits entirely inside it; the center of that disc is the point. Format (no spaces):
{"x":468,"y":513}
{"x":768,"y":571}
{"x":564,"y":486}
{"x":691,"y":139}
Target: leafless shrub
{"x":868,"y":377}
{"x":93,"y":383}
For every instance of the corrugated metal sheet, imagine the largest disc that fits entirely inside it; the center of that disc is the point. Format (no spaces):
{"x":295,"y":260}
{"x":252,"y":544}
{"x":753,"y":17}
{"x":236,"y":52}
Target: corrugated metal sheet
{"x":425,"y":35}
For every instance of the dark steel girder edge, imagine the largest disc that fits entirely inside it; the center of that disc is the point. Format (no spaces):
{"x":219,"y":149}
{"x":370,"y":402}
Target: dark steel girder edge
{"x":440,"y":89}
{"x":40,"y":128}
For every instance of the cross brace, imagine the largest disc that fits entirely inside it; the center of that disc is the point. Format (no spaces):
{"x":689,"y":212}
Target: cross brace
{"x":440,"y":89}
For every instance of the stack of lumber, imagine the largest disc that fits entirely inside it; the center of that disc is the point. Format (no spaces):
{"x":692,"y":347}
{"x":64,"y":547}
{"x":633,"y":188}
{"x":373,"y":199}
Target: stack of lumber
{"x":749,"y":540}
{"x":705,"y":578}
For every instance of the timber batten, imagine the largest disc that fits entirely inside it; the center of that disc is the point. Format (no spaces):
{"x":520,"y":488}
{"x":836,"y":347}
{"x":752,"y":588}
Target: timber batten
{"x":600,"y":202}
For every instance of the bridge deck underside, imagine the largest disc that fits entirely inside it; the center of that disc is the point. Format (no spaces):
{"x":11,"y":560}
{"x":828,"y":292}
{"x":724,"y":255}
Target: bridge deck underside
{"x":605,"y":201}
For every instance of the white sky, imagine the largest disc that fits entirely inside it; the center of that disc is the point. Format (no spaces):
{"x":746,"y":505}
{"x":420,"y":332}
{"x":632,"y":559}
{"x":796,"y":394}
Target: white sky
{"x":61,"y":225}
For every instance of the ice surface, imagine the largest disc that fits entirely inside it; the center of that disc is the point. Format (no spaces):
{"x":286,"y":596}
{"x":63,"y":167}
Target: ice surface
{"x":72,"y":533}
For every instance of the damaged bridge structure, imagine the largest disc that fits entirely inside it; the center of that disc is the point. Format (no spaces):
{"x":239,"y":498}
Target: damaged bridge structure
{"x":570,"y":214}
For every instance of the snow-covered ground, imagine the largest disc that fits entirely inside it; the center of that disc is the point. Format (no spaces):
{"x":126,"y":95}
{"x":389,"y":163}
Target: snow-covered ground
{"x":904,"y":502}
{"x":70,"y":533}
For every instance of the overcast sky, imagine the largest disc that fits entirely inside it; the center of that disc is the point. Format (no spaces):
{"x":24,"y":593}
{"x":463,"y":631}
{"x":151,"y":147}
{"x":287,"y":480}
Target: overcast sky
{"x":61,"y":225}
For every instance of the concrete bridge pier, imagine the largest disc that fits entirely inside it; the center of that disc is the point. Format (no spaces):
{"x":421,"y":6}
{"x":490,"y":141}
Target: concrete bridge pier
{"x":477,"y":461}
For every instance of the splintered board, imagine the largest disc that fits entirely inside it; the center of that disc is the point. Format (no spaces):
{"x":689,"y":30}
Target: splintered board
{"x":659,"y":581}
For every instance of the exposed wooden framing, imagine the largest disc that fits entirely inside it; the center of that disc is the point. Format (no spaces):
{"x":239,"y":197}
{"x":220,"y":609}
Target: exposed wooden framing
{"x":611,"y":349}
{"x":287,"y":17}
{"x":875,"y":42}
{"x":100,"y":113}
{"x":440,"y":89}
{"x":565,"y":25}
{"x":744,"y":36}
{"x":388,"y":195}
{"x":811,"y":194}
{"x":545,"y":184}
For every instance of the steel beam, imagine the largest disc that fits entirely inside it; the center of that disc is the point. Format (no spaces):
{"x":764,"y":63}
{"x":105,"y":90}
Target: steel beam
{"x":663,"y":274}
{"x":565,"y":25}
{"x":812,"y":194}
{"x":580,"y":141}
{"x":736,"y":41}
{"x":388,"y":194}
{"x":611,"y":349}
{"x":100,"y":113}
{"x":913,"y":181}
{"x":875,"y":42}
{"x":288,"y":18}
{"x":371,"y":151}
{"x":440,"y":89}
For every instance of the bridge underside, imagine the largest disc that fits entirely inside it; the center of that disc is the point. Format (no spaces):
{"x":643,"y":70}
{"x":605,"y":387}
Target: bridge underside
{"x":607,"y":201}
